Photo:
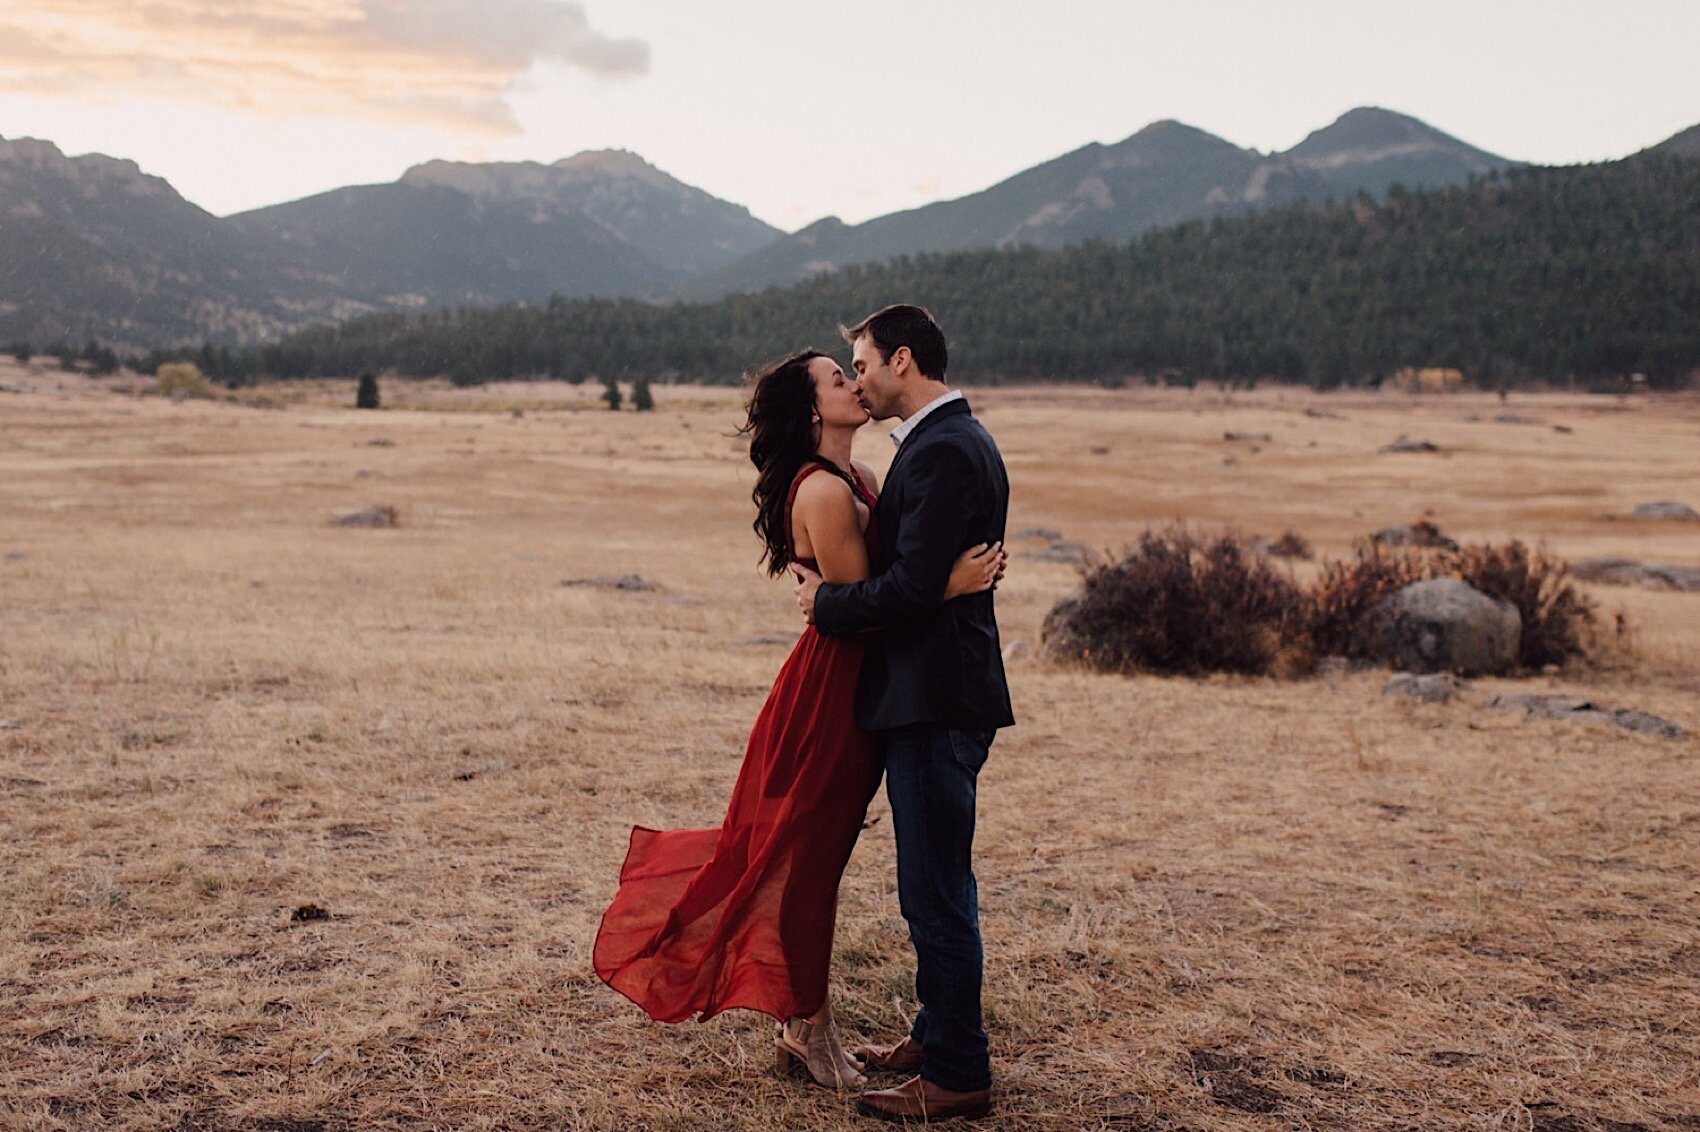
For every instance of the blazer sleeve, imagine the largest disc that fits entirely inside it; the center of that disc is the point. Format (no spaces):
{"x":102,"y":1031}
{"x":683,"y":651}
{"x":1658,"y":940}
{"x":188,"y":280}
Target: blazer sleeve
{"x":938,"y":503}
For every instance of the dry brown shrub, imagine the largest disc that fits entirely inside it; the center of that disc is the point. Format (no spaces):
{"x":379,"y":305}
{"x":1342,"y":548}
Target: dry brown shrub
{"x":1559,"y":622}
{"x":1340,"y":600}
{"x":1176,"y":603}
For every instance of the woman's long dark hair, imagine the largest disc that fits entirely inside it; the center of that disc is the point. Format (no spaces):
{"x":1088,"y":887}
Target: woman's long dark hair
{"x":780,"y":425}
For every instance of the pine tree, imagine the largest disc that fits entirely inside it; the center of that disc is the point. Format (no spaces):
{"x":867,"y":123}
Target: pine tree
{"x":611,"y":393}
{"x":1584,"y":274}
{"x":366,"y":397}
{"x":103,"y":360}
{"x":642,"y":400}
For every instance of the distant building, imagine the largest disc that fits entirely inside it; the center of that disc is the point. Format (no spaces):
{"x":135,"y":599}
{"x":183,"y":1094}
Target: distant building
{"x":1428,"y":379}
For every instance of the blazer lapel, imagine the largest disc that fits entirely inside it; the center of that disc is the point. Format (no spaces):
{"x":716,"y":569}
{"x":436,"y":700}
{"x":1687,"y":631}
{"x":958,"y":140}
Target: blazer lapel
{"x":954,"y":409}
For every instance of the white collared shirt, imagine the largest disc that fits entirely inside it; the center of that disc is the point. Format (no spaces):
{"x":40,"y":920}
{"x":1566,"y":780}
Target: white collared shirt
{"x":902,"y":431}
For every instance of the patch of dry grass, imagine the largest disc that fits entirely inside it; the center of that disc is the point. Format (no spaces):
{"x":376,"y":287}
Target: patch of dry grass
{"x":1215,"y":904}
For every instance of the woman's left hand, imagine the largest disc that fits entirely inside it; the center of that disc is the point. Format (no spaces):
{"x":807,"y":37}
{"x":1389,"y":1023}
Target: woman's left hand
{"x":977,"y":569}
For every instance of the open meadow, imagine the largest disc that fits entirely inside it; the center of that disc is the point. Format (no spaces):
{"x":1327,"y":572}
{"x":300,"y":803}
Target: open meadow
{"x":310,"y":827}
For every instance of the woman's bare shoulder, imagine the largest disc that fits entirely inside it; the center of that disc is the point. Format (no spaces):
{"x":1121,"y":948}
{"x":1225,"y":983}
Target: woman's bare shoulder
{"x":821,"y":491}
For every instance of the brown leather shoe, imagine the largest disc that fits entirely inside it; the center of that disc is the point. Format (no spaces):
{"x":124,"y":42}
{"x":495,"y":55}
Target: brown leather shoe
{"x":923,"y":1102}
{"x":904,"y":1057}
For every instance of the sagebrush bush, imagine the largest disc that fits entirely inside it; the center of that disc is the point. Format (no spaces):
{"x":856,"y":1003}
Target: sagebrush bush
{"x":1558,"y":619}
{"x":1337,"y":604}
{"x":1175,"y":603}
{"x":183,"y":379}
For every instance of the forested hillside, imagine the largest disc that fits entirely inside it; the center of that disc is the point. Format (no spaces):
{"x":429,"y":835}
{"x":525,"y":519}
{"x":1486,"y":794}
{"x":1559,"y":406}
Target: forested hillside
{"x":1585,"y":272}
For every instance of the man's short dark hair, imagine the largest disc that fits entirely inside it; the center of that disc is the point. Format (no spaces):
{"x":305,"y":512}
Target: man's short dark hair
{"x":904,"y":325}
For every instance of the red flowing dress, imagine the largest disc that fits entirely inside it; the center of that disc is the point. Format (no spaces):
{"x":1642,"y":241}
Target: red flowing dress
{"x":741,"y":916}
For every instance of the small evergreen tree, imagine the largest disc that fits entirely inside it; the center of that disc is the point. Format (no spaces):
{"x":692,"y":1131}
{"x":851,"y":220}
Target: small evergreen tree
{"x":22,"y":351}
{"x":366,"y":397}
{"x":103,"y":360}
{"x":642,"y":400}
{"x":611,"y":393}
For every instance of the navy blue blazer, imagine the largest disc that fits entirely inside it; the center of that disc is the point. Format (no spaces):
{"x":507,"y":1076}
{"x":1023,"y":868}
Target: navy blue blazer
{"x":929,"y":661}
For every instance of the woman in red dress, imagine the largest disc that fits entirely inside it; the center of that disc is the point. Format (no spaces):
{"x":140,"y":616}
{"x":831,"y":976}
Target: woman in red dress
{"x":742,"y":916}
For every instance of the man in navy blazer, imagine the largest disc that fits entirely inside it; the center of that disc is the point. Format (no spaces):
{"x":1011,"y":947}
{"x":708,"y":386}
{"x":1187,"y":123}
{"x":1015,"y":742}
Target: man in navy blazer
{"x":932,"y":691}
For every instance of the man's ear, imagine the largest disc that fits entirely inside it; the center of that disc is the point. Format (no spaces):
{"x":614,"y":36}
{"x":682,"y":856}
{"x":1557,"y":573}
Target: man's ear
{"x":900,"y":358}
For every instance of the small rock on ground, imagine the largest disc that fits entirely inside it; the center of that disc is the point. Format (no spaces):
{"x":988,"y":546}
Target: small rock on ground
{"x":1345,"y":665}
{"x":1435,"y":688}
{"x":1667,"y":509}
{"x":372,"y":518}
{"x":1059,"y":551}
{"x":1406,"y":444}
{"x":1422,"y":534}
{"x":1628,"y":572}
{"x":628,"y":583}
{"x":1537,"y":705}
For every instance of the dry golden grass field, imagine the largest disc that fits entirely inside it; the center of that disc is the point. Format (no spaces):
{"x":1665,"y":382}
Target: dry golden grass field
{"x":1209,"y":904}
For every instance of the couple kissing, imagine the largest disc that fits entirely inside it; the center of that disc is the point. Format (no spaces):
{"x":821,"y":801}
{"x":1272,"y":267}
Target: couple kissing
{"x":898,"y":672}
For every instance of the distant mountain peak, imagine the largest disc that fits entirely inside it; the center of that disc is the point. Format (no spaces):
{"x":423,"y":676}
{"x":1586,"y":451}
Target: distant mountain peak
{"x":477,"y":178}
{"x":1378,"y":114}
{"x":1370,"y":136}
{"x":826,"y":226}
{"x":616,"y":162}
{"x":601,"y":222}
{"x":1167,"y":142}
{"x":1684,"y":144}
{"x":532,"y":178}
{"x":31,"y":150}
{"x":39,"y":156}
{"x":1373,"y":128}
{"x":1171,"y":129}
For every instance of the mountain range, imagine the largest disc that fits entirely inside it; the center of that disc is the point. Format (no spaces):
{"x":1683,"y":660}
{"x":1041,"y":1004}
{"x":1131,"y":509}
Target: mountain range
{"x":1166,"y":173}
{"x":92,"y":247}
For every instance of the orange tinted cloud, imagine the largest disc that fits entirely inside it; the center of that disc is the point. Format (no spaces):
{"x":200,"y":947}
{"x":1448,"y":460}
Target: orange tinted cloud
{"x":449,"y":63}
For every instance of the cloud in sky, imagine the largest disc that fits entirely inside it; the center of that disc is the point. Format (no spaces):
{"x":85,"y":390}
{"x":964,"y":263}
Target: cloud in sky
{"x":445,"y":63}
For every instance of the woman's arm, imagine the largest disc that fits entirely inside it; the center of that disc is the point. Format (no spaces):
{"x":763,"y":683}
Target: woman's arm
{"x":939,"y":504}
{"x":826,"y":518}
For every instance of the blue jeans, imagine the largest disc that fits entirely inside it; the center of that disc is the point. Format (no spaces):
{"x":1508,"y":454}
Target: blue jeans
{"x":930,"y":777}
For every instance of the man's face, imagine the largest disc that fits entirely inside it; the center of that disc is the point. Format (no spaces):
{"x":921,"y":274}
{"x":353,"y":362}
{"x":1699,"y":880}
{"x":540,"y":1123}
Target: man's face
{"x":876,"y":384}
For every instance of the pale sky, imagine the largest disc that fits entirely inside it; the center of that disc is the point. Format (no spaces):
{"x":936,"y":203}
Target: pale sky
{"x":801,"y":110}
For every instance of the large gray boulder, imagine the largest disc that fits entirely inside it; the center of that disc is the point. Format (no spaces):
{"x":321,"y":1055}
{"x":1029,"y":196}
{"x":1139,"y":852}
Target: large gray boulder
{"x":1444,"y":625}
{"x":1058,"y":639}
